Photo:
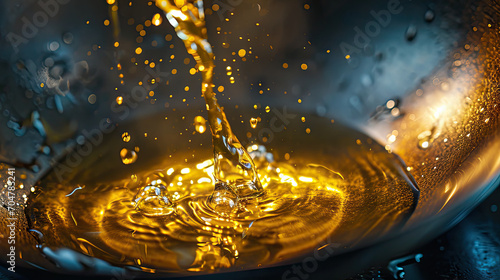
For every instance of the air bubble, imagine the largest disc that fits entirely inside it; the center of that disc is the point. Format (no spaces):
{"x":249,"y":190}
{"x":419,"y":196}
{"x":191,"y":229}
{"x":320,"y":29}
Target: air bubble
{"x":154,"y":199}
{"x":223,"y":200}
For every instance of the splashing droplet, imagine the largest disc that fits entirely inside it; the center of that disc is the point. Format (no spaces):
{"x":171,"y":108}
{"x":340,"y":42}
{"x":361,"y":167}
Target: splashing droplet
{"x":126,"y":137}
{"x":200,"y":124}
{"x":128,"y":156}
{"x":254,"y":122}
{"x":429,"y":16}
{"x":157,"y":19}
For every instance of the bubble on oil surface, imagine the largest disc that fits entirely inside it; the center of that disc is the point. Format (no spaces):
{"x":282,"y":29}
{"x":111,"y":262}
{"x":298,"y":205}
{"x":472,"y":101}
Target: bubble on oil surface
{"x":154,"y":199}
{"x":223,"y":200}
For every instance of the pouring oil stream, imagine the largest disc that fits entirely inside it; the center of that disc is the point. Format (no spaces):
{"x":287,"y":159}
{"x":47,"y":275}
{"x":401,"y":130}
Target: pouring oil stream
{"x":234,"y":168}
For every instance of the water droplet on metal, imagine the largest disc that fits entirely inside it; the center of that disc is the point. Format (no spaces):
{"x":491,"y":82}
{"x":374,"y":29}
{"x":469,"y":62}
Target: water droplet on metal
{"x":68,"y":38}
{"x":429,"y":16}
{"x":411,"y":33}
{"x":92,"y":98}
{"x":54,"y":46}
{"x":49,"y":62}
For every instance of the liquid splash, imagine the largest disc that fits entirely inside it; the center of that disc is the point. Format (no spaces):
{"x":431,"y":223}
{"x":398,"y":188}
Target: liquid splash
{"x":169,"y":219}
{"x":234,"y":167}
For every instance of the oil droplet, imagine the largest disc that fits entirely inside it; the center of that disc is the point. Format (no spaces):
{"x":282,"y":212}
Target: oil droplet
{"x":253,"y":122}
{"x":92,"y":98}
{"x":128,"y":156}
{"x":126,"y":137}
{"x":304,"y":66}
{"x":157,"y":19}
{"x":242,"y":52}
{"x":200,"y":124}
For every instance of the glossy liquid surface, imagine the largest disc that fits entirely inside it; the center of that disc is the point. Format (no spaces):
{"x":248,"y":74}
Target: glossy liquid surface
{"x":345,"y":190}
